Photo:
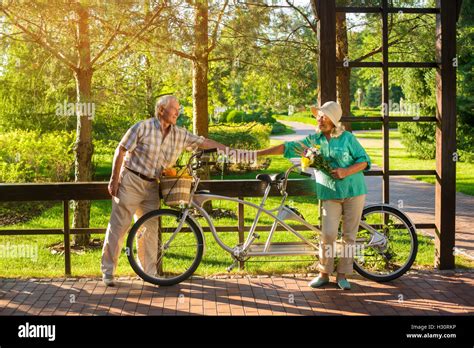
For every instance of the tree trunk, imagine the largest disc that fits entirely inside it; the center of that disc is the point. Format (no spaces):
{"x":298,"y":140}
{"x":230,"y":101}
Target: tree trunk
{"x":150,"y":103}
{"x":84,"y":111}
{"x":200,"y":86}
{"x":343,"y":75}
{"x":150,"y":107}
{"x":200,"y":69}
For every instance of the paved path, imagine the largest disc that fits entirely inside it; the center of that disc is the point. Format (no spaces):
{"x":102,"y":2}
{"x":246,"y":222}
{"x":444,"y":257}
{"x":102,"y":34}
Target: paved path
{"x":417,"y":197}
{"x":415,"y":293}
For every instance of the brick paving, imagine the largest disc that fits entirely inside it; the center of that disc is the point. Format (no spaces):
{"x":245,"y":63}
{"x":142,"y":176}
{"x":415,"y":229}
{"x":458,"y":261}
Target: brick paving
{"x":416,"y":293}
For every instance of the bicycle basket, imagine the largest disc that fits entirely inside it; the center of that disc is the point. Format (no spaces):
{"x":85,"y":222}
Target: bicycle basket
{"x":175,"y":190}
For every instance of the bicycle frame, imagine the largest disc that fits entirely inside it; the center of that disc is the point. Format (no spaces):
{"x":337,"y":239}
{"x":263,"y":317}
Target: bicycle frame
{"x":278,"y":215}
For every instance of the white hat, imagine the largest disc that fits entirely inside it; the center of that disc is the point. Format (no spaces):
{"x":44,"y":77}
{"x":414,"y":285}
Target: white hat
{"x":331,"y":109}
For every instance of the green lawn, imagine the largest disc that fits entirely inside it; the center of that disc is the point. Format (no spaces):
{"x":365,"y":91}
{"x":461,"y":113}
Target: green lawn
{"x":400,"y":159}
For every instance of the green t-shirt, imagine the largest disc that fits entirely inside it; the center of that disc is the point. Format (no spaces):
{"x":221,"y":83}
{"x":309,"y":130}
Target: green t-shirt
{"x":341,"y":152}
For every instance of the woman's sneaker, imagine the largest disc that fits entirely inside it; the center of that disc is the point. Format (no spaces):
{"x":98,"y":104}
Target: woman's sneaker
{"x":318,"y":282}
{"x":344,"y":284}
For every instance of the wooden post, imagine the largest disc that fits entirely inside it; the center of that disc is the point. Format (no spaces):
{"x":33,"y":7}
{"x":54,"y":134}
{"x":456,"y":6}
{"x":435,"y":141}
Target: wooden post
{"x":326,"y":12}
{"x":67,"y":243}
{"x":385,"y":106}
{"x":241,"y":229}
{"x":445,"y":203}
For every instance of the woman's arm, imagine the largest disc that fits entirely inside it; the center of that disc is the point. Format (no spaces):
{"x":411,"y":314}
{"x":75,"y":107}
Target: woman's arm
{"x":275,"y":150}
{"x":341,"y":173}
{"x":212,"y":144}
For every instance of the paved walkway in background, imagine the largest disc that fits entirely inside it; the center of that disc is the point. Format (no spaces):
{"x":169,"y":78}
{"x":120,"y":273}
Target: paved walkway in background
{"x":415,"y":293}
{"x":417,"y":197}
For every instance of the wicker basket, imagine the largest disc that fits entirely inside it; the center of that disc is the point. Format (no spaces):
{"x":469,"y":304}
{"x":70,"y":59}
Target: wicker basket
{"x":175,"y":190}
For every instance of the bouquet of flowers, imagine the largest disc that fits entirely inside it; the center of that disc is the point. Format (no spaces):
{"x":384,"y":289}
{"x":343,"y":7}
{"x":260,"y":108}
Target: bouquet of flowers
{"x":311,"y":157}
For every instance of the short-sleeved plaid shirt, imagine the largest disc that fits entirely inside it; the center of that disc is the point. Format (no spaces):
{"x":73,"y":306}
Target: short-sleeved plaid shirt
{"x":147,"y":152}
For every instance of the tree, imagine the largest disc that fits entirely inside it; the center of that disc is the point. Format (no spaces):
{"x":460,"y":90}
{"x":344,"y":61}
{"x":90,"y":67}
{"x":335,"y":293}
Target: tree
{"x":63,"y":30}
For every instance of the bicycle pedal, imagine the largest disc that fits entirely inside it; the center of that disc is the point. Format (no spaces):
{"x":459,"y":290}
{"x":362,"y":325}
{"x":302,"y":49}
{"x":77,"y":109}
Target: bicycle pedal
{"x":231,"y":267}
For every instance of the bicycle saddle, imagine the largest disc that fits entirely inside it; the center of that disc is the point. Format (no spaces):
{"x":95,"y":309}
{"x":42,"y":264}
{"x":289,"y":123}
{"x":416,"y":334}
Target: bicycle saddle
{"x":270,"y":178}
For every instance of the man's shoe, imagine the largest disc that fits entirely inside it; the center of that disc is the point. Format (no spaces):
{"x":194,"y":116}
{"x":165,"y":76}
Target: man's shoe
{"x":318,"y":282}
{"x":344,"y":284}
{"x":108,"y":281}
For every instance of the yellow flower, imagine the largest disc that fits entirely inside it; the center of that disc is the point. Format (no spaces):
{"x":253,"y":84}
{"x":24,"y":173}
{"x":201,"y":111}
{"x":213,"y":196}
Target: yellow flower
{"x":305,"y":163}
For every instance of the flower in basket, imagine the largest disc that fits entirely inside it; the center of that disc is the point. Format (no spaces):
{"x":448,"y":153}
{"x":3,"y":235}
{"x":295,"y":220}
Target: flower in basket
{"x":311,"y":157}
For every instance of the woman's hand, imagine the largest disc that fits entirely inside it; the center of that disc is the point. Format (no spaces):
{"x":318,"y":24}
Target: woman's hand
{"x":339,"y":173}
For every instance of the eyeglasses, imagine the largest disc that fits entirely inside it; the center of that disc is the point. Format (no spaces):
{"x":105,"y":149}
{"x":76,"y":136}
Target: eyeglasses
{"x":319,"y":116}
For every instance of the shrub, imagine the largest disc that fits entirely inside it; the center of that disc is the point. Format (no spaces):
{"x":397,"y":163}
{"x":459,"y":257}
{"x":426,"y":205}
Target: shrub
{"x":278,"y":128}
{"x":420,"y":140}
{"x":29,"y":156}
{"x":235,"y":116}
{"x":252,"y":136}
{"x":253,"y":117}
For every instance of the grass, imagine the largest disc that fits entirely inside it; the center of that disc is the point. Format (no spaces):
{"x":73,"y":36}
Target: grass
{"x":215,"y":259}
{"x":308,"y":118}
{"x":394,"y":135}
{"x":400,"y":159}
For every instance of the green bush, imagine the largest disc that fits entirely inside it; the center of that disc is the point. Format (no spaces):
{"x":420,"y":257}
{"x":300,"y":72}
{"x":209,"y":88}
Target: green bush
{"x":253,"y":117}
{"x":235,"y":116}
{"x":420,"y":140}
{"x":279,"y":128}
{"x":267,"y":117}
{"x":29,"y":156}
{"x":251,"y":136}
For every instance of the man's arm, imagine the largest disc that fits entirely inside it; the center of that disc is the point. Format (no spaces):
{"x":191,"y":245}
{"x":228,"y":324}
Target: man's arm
{"x":116,"y":167}
{"x":211,"y":144}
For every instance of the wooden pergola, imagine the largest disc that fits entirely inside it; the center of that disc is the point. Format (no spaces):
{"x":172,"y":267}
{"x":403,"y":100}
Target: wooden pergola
{"x":447,"y":13}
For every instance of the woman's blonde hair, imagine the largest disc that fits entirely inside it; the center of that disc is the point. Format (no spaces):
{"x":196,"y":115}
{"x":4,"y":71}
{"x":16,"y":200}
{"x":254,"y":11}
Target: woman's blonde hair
{"x":337,"y":130}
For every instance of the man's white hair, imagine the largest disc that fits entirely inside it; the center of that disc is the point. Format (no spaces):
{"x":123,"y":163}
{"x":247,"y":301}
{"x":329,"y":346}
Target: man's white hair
{"x":163,"y":101}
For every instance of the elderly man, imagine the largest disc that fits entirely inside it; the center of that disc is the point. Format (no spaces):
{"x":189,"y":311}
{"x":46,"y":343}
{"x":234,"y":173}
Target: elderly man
{"x":146,"y":149}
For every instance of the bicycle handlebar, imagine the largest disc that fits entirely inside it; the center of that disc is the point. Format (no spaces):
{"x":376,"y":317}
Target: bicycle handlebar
{"x":209,"y":150}
{"x":305,"y":174}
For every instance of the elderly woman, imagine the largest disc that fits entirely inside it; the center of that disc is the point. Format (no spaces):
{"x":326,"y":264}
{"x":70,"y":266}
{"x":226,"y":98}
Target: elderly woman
{"x":342,"y":193}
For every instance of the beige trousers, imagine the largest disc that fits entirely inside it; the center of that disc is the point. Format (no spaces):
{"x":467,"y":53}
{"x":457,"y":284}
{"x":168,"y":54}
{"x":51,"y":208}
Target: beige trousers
{"x":135,"y":197}
{"x":351,"y":210}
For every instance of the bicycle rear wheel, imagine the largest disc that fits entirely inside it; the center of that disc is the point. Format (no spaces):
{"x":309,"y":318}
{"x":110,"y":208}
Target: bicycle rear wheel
{"x":388,"y":249}
{"x":161,"y":251}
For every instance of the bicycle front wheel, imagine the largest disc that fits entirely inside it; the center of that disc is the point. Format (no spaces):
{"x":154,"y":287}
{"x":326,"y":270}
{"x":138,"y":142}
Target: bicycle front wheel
{"x":163,"y":249}
{"x":386,"y":244}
